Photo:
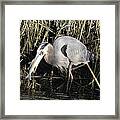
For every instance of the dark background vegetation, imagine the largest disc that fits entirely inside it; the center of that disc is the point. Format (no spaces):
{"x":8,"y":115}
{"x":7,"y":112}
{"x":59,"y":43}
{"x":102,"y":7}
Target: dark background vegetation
{"x":32,"y":33}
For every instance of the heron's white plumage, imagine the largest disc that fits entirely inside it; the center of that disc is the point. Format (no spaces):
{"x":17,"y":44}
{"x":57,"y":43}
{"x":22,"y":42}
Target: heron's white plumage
{"x":76,"y":53}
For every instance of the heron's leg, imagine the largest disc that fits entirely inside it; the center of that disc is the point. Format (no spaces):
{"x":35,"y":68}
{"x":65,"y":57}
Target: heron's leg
{"x":93,"y":75}
{"x":70,"y":77}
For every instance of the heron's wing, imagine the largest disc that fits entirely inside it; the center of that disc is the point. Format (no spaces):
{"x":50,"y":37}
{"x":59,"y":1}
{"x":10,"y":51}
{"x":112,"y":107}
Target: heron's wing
{"x":60,"y":54}
{"x":77,"y":53}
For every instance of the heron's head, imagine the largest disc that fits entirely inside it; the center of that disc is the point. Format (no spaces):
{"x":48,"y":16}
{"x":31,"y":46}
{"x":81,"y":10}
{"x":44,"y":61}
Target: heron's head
{"x":43,"y":48}
{"x":45,"y":51}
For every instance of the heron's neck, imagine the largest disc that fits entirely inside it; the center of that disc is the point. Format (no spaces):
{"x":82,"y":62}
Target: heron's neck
{"x":49,"y":54}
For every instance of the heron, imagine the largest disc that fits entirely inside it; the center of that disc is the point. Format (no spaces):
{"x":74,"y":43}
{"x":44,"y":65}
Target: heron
{"x":65,"y":52}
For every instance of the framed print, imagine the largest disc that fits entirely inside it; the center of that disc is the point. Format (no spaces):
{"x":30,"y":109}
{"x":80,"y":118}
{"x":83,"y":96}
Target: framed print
{"x":59,"y":60}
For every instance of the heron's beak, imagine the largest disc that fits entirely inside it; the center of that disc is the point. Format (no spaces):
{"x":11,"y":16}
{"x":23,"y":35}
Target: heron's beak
{"x":34,"y":64}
